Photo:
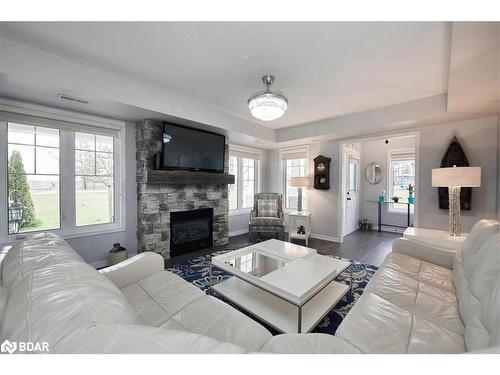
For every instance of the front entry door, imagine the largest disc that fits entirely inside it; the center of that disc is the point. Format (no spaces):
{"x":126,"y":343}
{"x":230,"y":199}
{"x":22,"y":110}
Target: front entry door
{"x":351,"y":195}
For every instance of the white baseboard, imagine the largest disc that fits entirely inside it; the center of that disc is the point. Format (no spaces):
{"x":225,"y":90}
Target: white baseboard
{"x":326,"y":238}
{"x":238,"y":232}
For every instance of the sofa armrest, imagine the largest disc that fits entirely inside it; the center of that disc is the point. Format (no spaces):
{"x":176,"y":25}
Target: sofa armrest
{"x":427,"y":253}
{"x":134,"y":269}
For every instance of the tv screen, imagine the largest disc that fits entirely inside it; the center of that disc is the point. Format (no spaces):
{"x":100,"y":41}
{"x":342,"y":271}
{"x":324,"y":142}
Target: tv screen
{"x":192,"y":149}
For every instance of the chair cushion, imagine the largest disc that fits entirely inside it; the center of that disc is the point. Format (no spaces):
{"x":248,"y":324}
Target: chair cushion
{"x":267,"y":208}
{"x":266,"y":221}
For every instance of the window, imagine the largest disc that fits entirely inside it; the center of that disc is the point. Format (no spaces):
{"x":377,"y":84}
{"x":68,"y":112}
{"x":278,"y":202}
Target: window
{"x":243,"y":164}
{"x":401,"y":175}
{"x":294,"y":163}
{"x":33,"y":178}
{"x":94,"y":185}
{"x":63,"y":177}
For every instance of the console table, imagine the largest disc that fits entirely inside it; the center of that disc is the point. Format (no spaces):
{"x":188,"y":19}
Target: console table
{"x":379,"y":224}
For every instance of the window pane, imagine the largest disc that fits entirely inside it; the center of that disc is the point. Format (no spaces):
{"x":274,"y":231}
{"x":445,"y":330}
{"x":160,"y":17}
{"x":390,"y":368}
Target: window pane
{"x":47,"y":160}
{"x":85,"y":163}
{"x":33,"y":187}
{"x":104,"y":164}
{"x":403,"y":174}
{"x":248,"y":193}
{"x":24,"y":134}
{"x":295,"y":168}
{"x":104,"y":143}
{"x":26,"y":155}
{"x":94,"y":200}
{"x":47,"y":137}
{"x":94,"y":181}
{"x":84,"y":141}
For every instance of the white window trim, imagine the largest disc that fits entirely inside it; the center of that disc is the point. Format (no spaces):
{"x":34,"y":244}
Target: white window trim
{"x":52,"y":117}
{"x":397,"y":151}
{"x":249,"y":153}
{"x":283,"y":153}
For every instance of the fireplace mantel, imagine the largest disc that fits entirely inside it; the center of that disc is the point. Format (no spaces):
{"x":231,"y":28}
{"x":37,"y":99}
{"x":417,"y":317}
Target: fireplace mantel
{"x":152,"y":176}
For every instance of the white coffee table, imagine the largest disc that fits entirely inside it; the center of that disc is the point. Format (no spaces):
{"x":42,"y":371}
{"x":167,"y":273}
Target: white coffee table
{"x":288,"y":286}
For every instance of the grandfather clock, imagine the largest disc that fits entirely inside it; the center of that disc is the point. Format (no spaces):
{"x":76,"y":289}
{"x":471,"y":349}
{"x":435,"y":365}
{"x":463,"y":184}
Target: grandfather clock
{"x":322,"y":172}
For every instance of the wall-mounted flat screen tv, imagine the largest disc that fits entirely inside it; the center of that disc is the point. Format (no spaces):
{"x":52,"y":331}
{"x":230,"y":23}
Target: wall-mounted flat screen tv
{"x":192,"y":149}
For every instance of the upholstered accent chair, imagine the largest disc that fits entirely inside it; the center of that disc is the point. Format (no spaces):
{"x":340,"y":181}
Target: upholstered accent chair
{"x":267,"y":216}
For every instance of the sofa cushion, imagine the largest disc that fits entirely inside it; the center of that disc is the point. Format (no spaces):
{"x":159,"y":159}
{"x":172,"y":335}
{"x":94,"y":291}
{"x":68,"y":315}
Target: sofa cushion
{"x":376,"y":325}
{"x":481,"y":302}
{"x":168,"y":301}
{"x":267,"y":207}
{"x":160,"y":296}
{"x":211,"y":317}
{"x":35,"y":252}
{"x":135,"y":339}
{"x":428,"y":273}
{"x":61,"y":301}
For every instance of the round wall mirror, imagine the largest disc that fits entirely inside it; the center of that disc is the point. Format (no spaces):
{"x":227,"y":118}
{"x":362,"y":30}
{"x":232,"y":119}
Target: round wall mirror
{"x":374,"y":173}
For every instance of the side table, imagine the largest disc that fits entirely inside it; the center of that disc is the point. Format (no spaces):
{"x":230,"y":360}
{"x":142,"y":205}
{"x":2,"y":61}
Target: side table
{"x":295,"y":219}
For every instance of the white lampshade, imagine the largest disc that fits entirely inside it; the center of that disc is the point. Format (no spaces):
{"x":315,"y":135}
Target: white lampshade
{"x":299,"y":182}
{"x":456,"y":176}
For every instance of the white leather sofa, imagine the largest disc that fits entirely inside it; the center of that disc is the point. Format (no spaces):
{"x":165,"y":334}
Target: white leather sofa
{"x":422,"y":300}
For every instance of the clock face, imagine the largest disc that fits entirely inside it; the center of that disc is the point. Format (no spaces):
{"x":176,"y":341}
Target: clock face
{"x":320,"y":167}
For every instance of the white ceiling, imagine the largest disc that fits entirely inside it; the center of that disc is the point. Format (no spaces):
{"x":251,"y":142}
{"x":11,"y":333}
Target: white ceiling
{"x":325,"y":69}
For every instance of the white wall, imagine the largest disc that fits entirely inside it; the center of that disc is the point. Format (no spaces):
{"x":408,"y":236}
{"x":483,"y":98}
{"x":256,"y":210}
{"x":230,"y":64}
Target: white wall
{"x":481,"y":142}
{"x":479,"y":138}
{"x":377,"y":151}
{"x":94,"y":249}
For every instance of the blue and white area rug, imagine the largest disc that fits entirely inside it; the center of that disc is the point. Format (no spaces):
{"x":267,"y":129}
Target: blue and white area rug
{"x":196,"y":271}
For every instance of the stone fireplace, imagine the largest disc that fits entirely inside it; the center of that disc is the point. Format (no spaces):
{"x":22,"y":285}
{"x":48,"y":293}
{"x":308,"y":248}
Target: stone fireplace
{"x":156,"y":202}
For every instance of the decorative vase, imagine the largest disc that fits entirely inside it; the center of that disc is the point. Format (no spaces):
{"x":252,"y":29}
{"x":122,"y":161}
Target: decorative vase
{"x":411,"y":199}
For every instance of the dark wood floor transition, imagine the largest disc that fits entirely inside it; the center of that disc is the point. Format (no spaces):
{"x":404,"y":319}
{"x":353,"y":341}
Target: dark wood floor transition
{"x":369,"y":247}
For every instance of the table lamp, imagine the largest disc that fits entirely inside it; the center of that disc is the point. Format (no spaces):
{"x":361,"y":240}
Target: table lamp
{"x":454,"y":178}
{"x":300,"y":183}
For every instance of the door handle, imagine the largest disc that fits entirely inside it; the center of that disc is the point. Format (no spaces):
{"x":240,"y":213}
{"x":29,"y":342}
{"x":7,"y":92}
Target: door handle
{"x":348,"y":199}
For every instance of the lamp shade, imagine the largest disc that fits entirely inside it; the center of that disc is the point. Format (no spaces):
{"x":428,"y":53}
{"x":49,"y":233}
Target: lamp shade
{"x":299,"y":182}
{"x":456,"y":176}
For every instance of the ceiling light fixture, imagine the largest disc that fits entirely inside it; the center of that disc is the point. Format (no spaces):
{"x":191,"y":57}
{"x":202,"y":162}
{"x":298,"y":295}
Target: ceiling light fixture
{"x":268,"y":105}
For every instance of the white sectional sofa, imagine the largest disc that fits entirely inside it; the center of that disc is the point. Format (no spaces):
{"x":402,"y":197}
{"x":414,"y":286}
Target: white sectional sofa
{"x":422,"y":300}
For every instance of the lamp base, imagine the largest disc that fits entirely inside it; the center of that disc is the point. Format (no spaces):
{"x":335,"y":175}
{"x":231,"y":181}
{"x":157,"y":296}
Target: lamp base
{"x":299,"y":200}
{"x":455,"y":229}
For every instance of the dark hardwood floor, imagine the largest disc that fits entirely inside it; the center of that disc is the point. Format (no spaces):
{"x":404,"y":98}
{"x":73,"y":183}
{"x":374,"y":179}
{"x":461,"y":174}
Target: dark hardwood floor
{"x":369,"y":247}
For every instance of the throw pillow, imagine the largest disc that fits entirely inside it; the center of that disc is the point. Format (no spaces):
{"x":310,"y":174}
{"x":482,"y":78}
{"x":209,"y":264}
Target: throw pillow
{"x":267,"y":208}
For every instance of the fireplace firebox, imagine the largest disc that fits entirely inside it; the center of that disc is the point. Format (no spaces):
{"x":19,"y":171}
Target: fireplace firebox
{"x":191,"y":231}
